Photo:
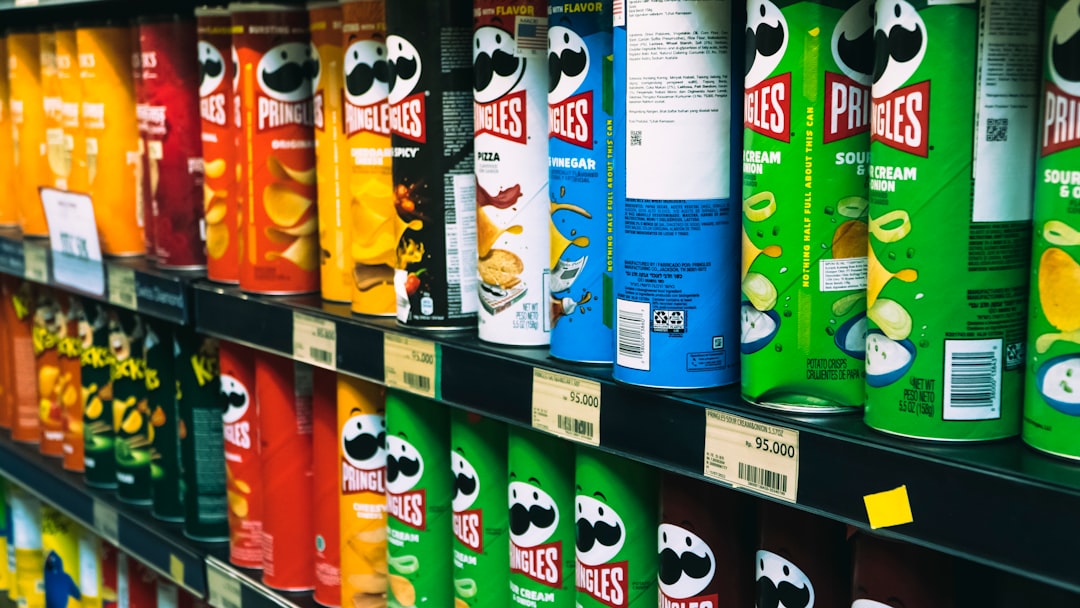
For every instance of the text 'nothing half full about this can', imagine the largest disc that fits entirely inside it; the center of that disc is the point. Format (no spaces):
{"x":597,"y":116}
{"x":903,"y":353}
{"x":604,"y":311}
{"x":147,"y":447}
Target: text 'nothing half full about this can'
{"x":674,"y":167}
{"x":242,"y":470}
{"x":947,"y":282}
{"x":805,"y":161}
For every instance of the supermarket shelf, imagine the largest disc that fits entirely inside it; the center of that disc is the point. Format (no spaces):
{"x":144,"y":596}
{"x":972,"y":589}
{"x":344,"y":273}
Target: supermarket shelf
{"x":1001,"y":504}
{"x":232,"y":587}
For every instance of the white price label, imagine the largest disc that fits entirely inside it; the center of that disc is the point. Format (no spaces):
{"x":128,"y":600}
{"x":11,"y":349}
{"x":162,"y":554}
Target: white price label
{"x":314,"y":340}
{"x":223,"y":585}
{"x":27,"y":2}
{"x":36,"y":263}
{"x":411,"y":364}
{"x":106,"y":522}
{"x":122,"y":287}
{"x":753,"y":455}
{"x":74,"y":240}
{"x":566,"y":405}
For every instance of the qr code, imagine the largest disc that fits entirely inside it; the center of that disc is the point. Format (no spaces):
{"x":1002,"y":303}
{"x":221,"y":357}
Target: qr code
{"x":669,"y":321}
{"x":997,"y":129}
{"x":635,"y":138}
{"x":1014,"y":355}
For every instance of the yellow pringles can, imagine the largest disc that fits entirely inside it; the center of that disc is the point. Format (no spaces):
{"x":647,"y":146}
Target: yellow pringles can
{"x":9,"y":213}
{"x":67,"y":74}
{"x":58,"y":169}
{"x":28,"y":129}
{"x":60,"y":548}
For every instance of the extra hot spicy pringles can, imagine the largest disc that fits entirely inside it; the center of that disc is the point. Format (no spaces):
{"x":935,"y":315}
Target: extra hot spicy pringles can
{"x":277,"y":67}
{"x":168,"y":111}
{"x":219,"y":153}
{"x":432,"y":139}
{"x":242,"y":470}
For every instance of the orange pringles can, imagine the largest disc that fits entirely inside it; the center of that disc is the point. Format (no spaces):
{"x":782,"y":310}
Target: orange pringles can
{"x":69,"y":346}
{"x":216,"y":107}
{"x":361,"y":408}
{"x":57,"y":168}
{"x":19,"y":306}
{"x":45,"y":334}
{"x":277,"y":67}
{"x":67,"y":74}
{"x":28,"y":129}
{"x":325,"y":476}
{"x":376,"y":227}
{"x":9,"y":212}
{"x":243,"y":472}
{"x":110,"y":127}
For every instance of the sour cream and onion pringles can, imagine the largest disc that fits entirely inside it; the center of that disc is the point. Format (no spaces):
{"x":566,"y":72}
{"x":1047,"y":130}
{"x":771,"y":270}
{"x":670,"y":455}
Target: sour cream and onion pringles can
{"x":28,"y":128}
{"x":580,"y":108}
{"x":948,"y":261}
{"x":242,"y":469}
{"x":802,"y":556}
{"x":9,"y":210}
{"x":889,"y":573}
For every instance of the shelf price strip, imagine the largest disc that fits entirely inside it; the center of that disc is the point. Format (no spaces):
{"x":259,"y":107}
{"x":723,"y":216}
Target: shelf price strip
{"x":121,"y":284}
{"x":567,"y":406}
{"x":36,"y":265}
{"x":106,"y":522}
{"x":412,"y":364}
{"x":749,"y":454}
{"x":224,"y":587}
{"x":314,"y":340}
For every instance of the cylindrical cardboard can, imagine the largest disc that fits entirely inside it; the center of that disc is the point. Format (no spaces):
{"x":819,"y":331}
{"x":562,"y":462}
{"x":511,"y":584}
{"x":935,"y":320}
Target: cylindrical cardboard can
{"x":142,"y":166}
{"x":131,"y":420}
{"x":326,"y":525}
{"x":481,"y":510}
{"x":5,"y":538}
{"x":58,"y":167}
{"x":705,"y":545}
{"x":109,"y":575}
{"x":19,"y":311}
{"x":110,"y":124}
{"x":202,"y":437}
{"x":163,"y":431}
{"x":28,"y":129}
{"x":9,"y":209}
{"x":7,"y":372}
{"x":283,"y":391}
{"x":136,"y":583}
{"x":99,"y":438}
{"x":45,"y":334}
{"x":361,"y":408}
{"x":804,"y":265}
{"x":617,"y":510}
{"x":168,"y":111}
{"x":28,"y":565}
{"x":219,"y":153}
{"x":541,"y":500}
{"x":89,"y":579}
{"x":510,"y":123}
{"x":74,"y":144}
{"x":945,"y":339}
{"x":432,"y":146}
{"x":60,"y":548}
{"x":580,"y":106}
{"x":277,"y":66}
{"x":419,"y":489}
{"x":800,"y":556}
{"x":70,"y":348}
{"x":376,"y":226}
{"x":242,"y":468}
{"x":890,"y":573}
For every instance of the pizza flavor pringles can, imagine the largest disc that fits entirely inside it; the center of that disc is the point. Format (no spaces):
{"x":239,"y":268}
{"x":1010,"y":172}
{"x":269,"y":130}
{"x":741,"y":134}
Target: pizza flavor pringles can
{"x":59,"y":166}
{"x":432,"y":140}
{"x":890,"y":573}
{"x":29,"y":562}
{"x":99,"y":456}
{"x":277,"y":66}
{"x":159,"y":369}
{"x":361,"y":408}
{"x":800,"y":556}
{"x":219,"y":151}
{"x":131,"y":413}
{"x":419,"y":489}
{"x":9,"y":210}
{"x":28,"y":129}
{"x":19,"y":306}
{"x":243,"y":471}
{"x":325,"y":481}
{"x":47,"y":326}
{"x":70,"y":347}
{"x":60,"y":548}
{"x":67,"y":72}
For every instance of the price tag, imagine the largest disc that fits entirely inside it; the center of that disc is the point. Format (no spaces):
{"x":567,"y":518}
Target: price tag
{"x":106,"y":522}
{"x":566,"y":405}
{"x":223,"y":585}
{"x":176,"y":569}
{"x":411,"y":364}
{"x":122,"y":287}
{"x":74,"y":240}
{"x":27,"y":2}
{"x":753,"y":455}
{"x":36,"y":263}
{"x":314,"y":340}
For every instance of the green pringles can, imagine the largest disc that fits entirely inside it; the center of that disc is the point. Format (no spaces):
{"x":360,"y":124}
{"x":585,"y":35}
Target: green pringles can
{"x":481,"y":515}
{"x":541,"y":489}
{"x":948,"y":261}
{"x":419,"y":489}
{"x":617,"y":511}
{"x":805,"y":160}
{"x":1051,"y":396}
{"x":131,"y":414}
{"x":97,"y":396}
{"x":160,"y":375}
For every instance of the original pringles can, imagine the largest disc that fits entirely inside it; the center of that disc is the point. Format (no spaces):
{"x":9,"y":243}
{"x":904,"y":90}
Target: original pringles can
{"x":28,"y":129}
{"x":277,"y":67}
{"x":948,"y":261}
{"x":890,"y":573}
{"x":242,"y":469}
{"x":800,"y":556}
{"x":96,"y":360}
{"x":580,"y":108}
{"x":432,"y":140}
{"x":804,"y":230}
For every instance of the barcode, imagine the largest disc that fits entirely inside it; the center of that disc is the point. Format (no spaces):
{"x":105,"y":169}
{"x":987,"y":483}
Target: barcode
{"x":417,"y":381}
{"x":73,"y":245}
{"x":574,"y":426}
{"x":320,"y":355}
{"x":972,"y":379}
{"x":997,"y":129}
{"x":763,"y":478}
{"x":632,"y":334}
{"x":635,"y":138}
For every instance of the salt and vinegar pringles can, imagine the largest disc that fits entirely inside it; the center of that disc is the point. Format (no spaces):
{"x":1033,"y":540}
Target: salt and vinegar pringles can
{"x":674,"y":185}
{"x":29,"y":562}
{"x":19,"y":306}
{"x":419,"y":490}
{"x":325,"y":481}
{"x":28,"y":129}
{"x":9,"y":210}
{"x":131,"y":413}
{"x":47,"y":324}
{"x":361,"y":408}
{"x":481,"y":511}
{"x":541,"y":500}
{"x":277,"y":68}
{"x":617,"y":511}
{"x":58,"y":167}
{"x":889,"y":573}
{"x":580,"y":107}
{"x":60,"y":548}
{"x":283,"y":390}
{"x":159,"y":365}
{"x":219,"y":151}
{"x":70,"y":348}
{"x":804,"y":231}
{"x":67,"y":72}
{"x":432,"y":140}
{"x":800,"y":556}
{"x":242,"y":468}
{"x":99,"y":455}
{"x":948,"y":258}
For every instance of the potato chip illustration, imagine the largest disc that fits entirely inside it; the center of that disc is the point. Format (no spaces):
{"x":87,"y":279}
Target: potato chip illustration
{"x":283,"y":206}
{"x":283,"y":172}
{"x":849,"y":240}
{"x":215,"y":168}
{"x":1059,"y":289}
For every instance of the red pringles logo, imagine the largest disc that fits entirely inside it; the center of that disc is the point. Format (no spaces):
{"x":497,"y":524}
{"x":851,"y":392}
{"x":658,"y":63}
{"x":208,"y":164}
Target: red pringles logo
{"x":408,"y":114}
{"x":600,"y":537}
{"x":901,"y":119}
{"x":848,"y":110}
{"x":408,"y":118}
{"x":687,"y":568}
{"x":900,"y":115}
{"x":768,"y":108}
{"x":468,"y":523}
{"x":847,"y":95}
{"x":534,"y":517}
{"x":287,"y":74}
{"x":503,"y":117}
{"x":570,"y":108}
{"x":1061,"y":112}
{"x":367,"y":84}
{"x":606,"y":583}
{"x":404,"y":469}
{"x":363,"y":456}
{"x":497,"y":71}
{"x":767,"y":101}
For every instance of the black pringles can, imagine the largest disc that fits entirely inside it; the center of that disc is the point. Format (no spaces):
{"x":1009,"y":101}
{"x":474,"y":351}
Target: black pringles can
{"x":890,"y":573}
{"x":802,"y":560}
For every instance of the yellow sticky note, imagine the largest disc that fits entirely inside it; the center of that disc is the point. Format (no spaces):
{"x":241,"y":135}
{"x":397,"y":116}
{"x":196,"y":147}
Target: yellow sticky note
{"x":176,"y":568}
{"x":889,"y":508}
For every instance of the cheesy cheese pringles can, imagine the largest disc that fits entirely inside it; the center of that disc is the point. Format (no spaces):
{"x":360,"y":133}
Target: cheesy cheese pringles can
{"x":800,"y":556}
{"x":47,"y":324}
{"x":28,"y":564}
{"x":242,"y":468}
{"x":480,"y":509}
{"x":580,"y":107}
{"x":60,"y":548}
{"x":888,"y":573}
{"x":67,"y":72}
{"x":99,"y":457}
{"x":131,"y":413}
{"x":277,"y":66}
{"x":617,"y":511}
{"x":28,"y":129}
{"x":70,"y":347}
{"x":19,"y":306}
{"x":9,"y":210}
{"x":376,"y":226}
{"x":283,"y":391}
{"x":159,"y":369}
{"x":325,"y":481}
{"x":110,"y":125}
{"x":419,"y":490}
{"x":432,"y":140}
{"x":219,"y":151}
{"x":946,"y":310}
{"x":58,"y":163}
{"x":361,"y":409}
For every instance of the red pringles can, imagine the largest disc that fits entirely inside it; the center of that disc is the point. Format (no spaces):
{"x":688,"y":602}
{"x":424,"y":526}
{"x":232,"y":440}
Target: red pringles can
{"x":277,"y":68}
{"x":890,"y":573}
{"x":326,"y":478}
{"x":169,"y":116}
{"x":283,"y":390}
{"x":242,"y":470}
{"x":802,"y":559}
{"x":216,"y":106}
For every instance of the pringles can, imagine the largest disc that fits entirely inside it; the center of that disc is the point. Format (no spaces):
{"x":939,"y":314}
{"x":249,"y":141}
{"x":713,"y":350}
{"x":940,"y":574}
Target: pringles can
{"x":242,"y":468}
{"x":580,"y":107}
{"x":432,"y":141}
{"x":67,"y":72}
{"x":47,"y":326}
{"x":277,"y":67}
{"x":28,"y":129}
{"x":889,"y":573}
{"x":91,"y":589}
{"x":19,"y":308}
{"x":143,"y":202}
{"x":60,"y":548}
{"x":947,"y":284}
{"x":802,"y":556}
{"x":325,"y":481}
{"x":28,"y":564}
{"x":131,"y":416}
{"x":804,"y":232}
{"x":70,"y":348}
{"x":9,"y":209}
{"x":59,"y":166}
{"x":95,"y":373}
{"x":159,"y":368}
